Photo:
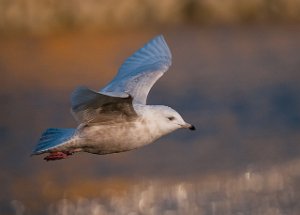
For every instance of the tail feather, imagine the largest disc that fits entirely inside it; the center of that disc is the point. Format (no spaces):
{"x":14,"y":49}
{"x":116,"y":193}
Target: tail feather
{"x":53,"y":137}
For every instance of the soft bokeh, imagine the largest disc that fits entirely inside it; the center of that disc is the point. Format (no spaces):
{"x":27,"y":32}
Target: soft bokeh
{"x":235,"y":75}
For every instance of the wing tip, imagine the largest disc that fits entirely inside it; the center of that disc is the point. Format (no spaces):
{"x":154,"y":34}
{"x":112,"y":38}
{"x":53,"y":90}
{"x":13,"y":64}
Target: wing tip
{"x":162,"y":44}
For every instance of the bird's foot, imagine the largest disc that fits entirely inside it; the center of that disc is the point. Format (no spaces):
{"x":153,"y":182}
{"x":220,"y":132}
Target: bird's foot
{"x":57,"y":156}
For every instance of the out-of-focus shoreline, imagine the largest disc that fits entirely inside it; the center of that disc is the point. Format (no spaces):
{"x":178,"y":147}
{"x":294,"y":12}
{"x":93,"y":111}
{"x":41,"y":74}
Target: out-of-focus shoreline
{"x":44,"y":16}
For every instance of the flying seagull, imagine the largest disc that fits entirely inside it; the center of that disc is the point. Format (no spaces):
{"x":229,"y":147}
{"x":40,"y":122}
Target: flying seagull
{"x":117,"y":118}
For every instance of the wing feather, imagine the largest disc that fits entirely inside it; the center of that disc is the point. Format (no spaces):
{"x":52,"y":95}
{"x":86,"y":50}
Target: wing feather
{"x":89,"y":106}
{"x":139,"y":72}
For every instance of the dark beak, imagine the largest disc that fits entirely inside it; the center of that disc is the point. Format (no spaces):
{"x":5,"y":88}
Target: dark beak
{"x":189,"y":126}
{"x":192,"y":127}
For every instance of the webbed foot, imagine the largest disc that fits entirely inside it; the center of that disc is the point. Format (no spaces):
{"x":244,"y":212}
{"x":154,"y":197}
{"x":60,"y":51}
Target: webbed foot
{"x":57,"y":156}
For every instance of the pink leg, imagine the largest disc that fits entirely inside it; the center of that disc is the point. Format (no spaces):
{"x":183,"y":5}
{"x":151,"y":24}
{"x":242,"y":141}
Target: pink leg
{"x":57,"y":156}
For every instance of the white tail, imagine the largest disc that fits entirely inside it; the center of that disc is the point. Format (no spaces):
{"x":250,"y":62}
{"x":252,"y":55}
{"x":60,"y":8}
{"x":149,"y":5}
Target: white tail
{"x":52,"y":138}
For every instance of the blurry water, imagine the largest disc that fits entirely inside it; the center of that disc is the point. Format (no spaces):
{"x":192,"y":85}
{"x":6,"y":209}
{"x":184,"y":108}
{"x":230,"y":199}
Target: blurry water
{"x":240,"y":87}
{"x":252,"y":192}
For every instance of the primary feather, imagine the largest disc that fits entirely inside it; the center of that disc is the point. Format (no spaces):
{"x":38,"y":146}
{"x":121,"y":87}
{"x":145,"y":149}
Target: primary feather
{"x":139,"y":72}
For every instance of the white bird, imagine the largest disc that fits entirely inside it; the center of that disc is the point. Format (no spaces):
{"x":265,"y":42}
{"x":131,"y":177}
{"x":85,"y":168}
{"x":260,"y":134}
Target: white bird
{"x":117,"y":119}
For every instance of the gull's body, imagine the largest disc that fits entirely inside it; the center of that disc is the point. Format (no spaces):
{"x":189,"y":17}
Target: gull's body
{"x":117,"y":119}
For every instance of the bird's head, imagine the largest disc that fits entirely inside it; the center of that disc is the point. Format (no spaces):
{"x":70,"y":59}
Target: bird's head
{"x":168,"y":120}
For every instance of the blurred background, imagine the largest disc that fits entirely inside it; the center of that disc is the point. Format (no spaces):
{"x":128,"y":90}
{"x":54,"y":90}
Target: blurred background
{"x":235,"y":76}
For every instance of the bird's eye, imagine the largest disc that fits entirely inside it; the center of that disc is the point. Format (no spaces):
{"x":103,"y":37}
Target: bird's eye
{"x":171,"y":118}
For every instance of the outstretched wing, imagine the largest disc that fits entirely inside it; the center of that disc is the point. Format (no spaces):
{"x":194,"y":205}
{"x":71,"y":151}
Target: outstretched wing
{"x":89,"y":106}
{"x":140,"y":71}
